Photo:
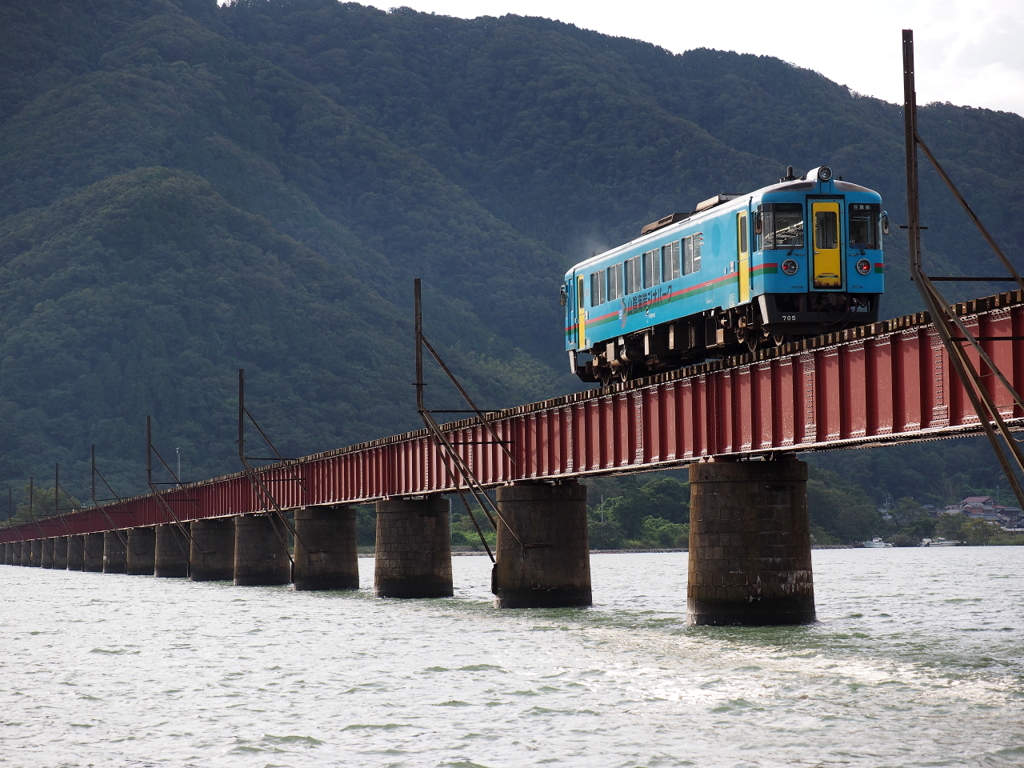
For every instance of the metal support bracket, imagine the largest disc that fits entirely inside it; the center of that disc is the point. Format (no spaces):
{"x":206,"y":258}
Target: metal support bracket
{"x":456,"y":466}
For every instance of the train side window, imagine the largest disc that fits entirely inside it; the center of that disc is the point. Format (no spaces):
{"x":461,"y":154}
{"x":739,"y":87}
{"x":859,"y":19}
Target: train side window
{"x":597,"y":292}
{"x":782,"y":226}
{"x":864,"y":225}
{"x":826,"y":230}
{"x":614,"y":282}
{"x":652,"y":271}
{"x":670,"y":265}
{"x":691,"y":253}
{"x":632,"y":274}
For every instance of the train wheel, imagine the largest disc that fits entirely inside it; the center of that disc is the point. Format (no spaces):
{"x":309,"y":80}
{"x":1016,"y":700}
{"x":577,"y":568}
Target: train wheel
{"x":604,"y":375}
{"x":623,"y":374}
{"x":779,"y":340}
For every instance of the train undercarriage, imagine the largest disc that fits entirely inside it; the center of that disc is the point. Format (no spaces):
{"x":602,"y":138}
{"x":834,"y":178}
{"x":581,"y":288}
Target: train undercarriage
{"x":768,"y":320}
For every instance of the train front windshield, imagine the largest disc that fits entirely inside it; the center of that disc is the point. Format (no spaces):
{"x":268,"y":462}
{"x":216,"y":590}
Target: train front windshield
{"x":864,"y":225}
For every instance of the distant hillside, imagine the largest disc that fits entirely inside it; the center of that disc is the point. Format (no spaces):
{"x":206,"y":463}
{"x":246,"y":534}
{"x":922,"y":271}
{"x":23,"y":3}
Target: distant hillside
{"x":187,"y":189}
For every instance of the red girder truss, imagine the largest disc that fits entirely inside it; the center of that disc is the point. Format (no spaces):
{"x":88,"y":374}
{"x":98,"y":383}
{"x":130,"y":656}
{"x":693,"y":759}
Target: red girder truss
{"x":889,"y":382}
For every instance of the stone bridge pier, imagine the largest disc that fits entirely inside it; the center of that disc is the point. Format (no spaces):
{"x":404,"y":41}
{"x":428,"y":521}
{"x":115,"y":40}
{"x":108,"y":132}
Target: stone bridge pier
{"x":76,"y":553}
{"x":60,"y":553}
{"x":92,"y":559}
{"x":35,"y":553}
{"x":543,"y":550}
{"x":750,"y":544}
{"x":170,"y":552}
{"x":212,"y":554}
{"x":261,"y":551}
{"x":115,"y":555}
{"x":414,"y":550}
{"x":141,"y":546}
{"x":46,"y":554}
{"x":325,"y":548}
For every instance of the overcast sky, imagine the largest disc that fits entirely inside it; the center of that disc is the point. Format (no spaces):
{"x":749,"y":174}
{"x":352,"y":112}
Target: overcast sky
{"x":968,"y":52}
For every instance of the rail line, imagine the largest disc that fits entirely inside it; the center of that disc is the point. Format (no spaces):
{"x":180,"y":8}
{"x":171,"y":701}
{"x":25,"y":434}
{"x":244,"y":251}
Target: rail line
{"x":888,"y":382}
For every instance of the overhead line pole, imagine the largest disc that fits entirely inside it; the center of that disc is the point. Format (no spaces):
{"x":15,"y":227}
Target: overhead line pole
{"x":56,"y":496}
{"x":185,"y":531}
{"x":947,"y":322}
{"x":31,"y":503}
{"x":254,"y":479}
{"x":117,"y":531}
{"x":444,"y":444}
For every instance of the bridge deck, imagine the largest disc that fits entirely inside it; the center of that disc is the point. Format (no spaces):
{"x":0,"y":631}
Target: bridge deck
{"x":884,"y":383}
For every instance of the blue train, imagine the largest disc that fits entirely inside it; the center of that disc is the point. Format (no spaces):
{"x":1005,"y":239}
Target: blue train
{"x":795,"y":259}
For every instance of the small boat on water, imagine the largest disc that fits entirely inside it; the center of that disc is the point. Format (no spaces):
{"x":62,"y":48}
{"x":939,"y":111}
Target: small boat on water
{"x":876,"y":543}
{"x":939,"y":542}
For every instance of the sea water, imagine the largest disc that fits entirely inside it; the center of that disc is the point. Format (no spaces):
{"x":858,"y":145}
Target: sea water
{"x":917,"y":659}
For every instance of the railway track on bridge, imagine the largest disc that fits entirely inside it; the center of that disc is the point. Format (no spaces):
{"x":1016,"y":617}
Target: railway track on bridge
{"x":887,"y":382}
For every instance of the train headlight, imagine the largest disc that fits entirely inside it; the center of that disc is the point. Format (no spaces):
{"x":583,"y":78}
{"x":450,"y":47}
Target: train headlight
{"x":790,"y":267}
{"x":824,"y":173}
{"x":863,"y":267}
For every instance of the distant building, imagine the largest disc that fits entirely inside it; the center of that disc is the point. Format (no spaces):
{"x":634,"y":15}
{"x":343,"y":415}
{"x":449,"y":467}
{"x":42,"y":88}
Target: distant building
{"x":1008,"y":517}
{"x":975,"y":502}
{"x":986,"y":508}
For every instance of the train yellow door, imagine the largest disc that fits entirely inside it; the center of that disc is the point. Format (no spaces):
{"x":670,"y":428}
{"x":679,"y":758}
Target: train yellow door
{"x":827,"y":264}
{"x":743,"y":254}
{"x":581,"y":314}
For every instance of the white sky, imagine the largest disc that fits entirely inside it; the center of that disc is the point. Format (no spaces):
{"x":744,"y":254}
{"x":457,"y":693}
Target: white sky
{"x":968,"y":52}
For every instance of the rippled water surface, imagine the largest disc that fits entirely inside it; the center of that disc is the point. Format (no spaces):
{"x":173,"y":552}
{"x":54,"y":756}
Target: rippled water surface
{"x":916,"y":661}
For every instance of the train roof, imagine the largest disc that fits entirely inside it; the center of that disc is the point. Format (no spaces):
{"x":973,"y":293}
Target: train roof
{"x":723,"y":202}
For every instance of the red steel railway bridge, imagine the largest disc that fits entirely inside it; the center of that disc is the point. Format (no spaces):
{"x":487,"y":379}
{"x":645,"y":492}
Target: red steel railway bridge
{"x":889,"y":382}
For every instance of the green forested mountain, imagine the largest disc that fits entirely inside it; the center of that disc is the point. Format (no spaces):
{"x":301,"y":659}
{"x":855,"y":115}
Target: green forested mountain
{"x":187,"y":189}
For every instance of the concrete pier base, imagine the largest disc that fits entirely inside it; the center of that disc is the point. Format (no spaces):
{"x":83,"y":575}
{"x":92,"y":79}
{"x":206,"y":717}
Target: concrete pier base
{"x":750,"y":544}
{"x":35,"y":553}
{"x":261,"y":557}
{"x":414,"y":551}
{"x":212,"y":552}
{"x":92,"y":559}
{"x":553,"y":569}
{"x":46,"y":554}
{"x":170,"y":555}
{"x":21,"y":552}
{"x":325,"y":548}
{"x":76,"y":553}
{"x":8,"y":553}
{"x":60,"y":553}
{"x":141,"y":546}
{"x":114,"y":555}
